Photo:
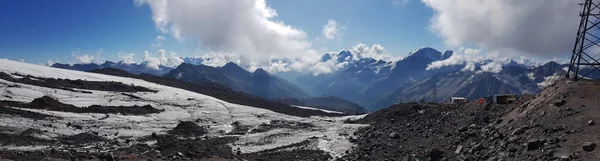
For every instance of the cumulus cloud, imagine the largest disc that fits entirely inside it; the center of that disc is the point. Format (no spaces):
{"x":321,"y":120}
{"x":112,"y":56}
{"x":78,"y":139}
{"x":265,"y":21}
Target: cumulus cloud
{"x":330,"y":30}
{"x":492,"y":67}
{"x":170,"y":60}
{"x":87,"y":58}
{"x":467,"y":56}
{"x":127,"y":58}
{"x":376,"y":51}
{"x":542,"y":27}
{"x":220,"y":59}
{"x":247,"y":28}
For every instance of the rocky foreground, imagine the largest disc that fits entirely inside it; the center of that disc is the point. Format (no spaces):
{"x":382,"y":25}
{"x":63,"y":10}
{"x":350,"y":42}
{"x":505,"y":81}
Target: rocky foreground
{"x":557,"y":124}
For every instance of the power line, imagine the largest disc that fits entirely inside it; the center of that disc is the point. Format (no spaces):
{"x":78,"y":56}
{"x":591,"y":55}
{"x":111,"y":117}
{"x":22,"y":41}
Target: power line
{"x":523,"y":22}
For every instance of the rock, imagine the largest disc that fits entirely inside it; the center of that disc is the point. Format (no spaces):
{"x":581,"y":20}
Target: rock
{"x":535,"y":144}
{"x":589,"y":146}
{"x":591,"y":122}
{"x":435,"y":154}
{"x":179,"y":154}
{"x":518,"y":131}
{"x":154,"y":135}
{"x":499,"y":121}
{"x":559,"y":103}
{"x":458,"y":149}
{"x":394,"y":135}
{"x":562,"y":153}
{"x":463,"y":129}
{"x":513,"y":149}
{"x":107,"y":157}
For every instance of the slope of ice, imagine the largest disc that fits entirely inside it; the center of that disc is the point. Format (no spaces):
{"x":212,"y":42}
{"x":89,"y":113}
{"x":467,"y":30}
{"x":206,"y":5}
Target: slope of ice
{"x":179,"y":105}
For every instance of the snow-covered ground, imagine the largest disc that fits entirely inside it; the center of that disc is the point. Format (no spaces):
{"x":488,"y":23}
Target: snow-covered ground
{"x":179,"y":105}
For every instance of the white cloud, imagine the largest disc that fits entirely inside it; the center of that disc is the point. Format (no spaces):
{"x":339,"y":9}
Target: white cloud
{"x":376,"y":51}
{"x":330,"y":30}
{"x":127,"y":58}
{"x":507,"y":24}
{"x":159,"y":41}
{"x":467,"y":56}
{"x":50,"y":63}
{"x":492,"y":67}
{"x":170,"y":60}
{"x":247,"y":28}
{"x":87,"y":58}
{"x":220,"y":59}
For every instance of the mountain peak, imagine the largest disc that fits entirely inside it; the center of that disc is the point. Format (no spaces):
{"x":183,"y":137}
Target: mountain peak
{"x":261,"y":71}
{"x":231,"y":65}
{"x":326,"y":57}
{"x":344,"y":55}
{"x":426,"y":52}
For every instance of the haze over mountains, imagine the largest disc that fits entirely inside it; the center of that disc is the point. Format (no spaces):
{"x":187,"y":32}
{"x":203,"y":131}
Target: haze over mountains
{"x":372,"y":83}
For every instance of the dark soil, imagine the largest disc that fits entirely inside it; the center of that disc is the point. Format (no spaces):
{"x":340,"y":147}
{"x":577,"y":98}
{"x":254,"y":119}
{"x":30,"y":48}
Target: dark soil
{"x":49,"y":103}
{"x":188,"y":128}
{"x":220,"y":92}
{"x":67,"y":84}
{"x":4,"y":110}
{"x":22,"y":140}
{"x":281,"y":124}
{"x":82,"y":138}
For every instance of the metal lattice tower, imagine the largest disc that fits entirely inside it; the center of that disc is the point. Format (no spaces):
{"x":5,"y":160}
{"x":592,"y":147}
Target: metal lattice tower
{"x":584,"y":60}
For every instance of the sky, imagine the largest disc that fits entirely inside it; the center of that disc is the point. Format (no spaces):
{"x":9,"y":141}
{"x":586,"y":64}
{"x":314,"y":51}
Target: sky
{"x":281,"y":35}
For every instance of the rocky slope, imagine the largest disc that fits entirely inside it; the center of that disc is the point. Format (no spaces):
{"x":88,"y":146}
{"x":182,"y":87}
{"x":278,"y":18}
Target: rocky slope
{"x":557,"y":124}
{"x":332,"y":103}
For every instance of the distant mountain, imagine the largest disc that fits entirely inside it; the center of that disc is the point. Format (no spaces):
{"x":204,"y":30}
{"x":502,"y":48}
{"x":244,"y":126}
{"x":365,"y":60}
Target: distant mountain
{"x":365,"y":80}
{"x":332,"y":103}
{"x":513,"y":79}
{"x":131,"y":68}
{"x":259,"y":83}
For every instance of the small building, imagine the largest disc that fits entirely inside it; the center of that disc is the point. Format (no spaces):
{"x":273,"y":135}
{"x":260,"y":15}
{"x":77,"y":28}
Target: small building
{"x":505,"y":98}
{"x":458,"y":99}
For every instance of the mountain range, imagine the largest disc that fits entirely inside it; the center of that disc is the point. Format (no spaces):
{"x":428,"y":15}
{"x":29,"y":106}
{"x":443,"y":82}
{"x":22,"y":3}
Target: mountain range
{"x":259,"y":82}
{"x":369,"y":82}
{"x":377,"y":84}
{"x":131,"y":68}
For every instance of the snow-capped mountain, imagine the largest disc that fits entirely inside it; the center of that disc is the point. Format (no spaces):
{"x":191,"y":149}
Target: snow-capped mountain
{"x":131,"y":68}
{"x":106,"y":113}
{"x":363,"y":80}
{"x":259,"y":82}
{"x":513,"y":79}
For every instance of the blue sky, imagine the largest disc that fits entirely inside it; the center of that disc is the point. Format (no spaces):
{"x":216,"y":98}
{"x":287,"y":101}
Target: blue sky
{"x":38,"y":30}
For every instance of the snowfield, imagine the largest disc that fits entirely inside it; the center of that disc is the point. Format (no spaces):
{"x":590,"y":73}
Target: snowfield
{"x":330,"y":134}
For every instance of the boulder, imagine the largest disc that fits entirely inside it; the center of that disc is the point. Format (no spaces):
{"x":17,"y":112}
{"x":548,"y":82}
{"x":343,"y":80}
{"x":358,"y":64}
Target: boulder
{"x":589,"y":146}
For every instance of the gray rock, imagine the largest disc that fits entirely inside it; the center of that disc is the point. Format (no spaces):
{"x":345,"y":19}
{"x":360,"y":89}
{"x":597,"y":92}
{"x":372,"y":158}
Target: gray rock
{"x":589,"y":146}
{"x":591,"y":122}
{"x":394,"y":135}
{"x":559,"y":103}
{"x":458,"y":149}
{"x":562,"y":153}
{"x":518,"y":131}
{"x":435,"y":154}
{"x":535,"y":144}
